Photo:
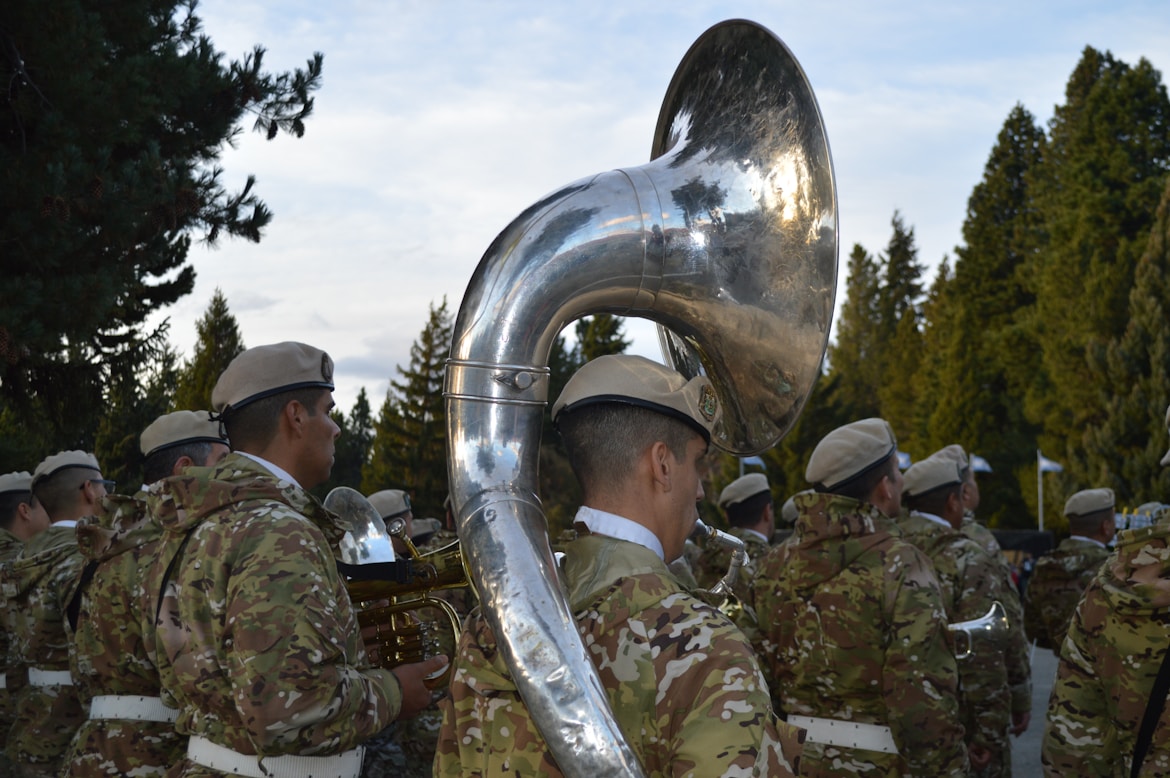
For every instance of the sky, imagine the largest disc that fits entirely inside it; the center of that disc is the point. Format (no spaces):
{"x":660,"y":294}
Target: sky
{"x":439,"y":122}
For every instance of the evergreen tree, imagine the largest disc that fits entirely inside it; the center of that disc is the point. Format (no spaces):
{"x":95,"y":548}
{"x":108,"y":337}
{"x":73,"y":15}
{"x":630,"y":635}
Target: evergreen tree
{"x":600,"y":335}
{"x":115,"y":117}
{"x":409,"y":449}
{"x":218,"y":343}
{"x":1097,"y":190}
{"x":353,"y":445}
{"x":1124,"y":451}
{"x":854,"y":367}
{"x":899,"y":348}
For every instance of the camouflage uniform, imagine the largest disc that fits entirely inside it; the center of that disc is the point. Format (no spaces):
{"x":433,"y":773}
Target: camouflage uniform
{"x":10,"y":546}
{"x":854,"y":629}
{"x":715,"y":560}
{"x":38,"y":583}
{"x":109,"y":649}
{"x":1111,"y":655}
{"x":257,"y":639}
{"x":1056,"y":586}
{"x":681,"y":680}
{"x":970,"y":584}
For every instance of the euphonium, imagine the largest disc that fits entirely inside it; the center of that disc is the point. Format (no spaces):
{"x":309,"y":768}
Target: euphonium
{"x":992,"y":627}
{"x":728,"y":238}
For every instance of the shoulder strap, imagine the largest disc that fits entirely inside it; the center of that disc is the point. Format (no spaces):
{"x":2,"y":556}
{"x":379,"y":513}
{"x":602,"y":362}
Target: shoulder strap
{"x":1154,"y":707}
{"x":162,"y":589}
{"x":73,"y":609}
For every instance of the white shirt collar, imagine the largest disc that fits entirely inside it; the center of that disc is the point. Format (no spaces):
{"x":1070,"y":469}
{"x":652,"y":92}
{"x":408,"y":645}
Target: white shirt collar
{"x":759,"y":535}
{"x":613,"y":526}
{"x":1087,"y":540}
{"x":65,"y":523}
{"x":935,"y":519}
{"x":276,"y":470}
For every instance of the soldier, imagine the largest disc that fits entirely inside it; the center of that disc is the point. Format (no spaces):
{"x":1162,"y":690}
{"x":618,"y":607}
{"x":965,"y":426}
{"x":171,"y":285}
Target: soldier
{"x":38,"y":584}
{"x":22,"y":517}
{"x":257,"y":640}
{"x":971,"y":584}
{"x":747,"y":503}
{"x":129,"y":730}
{"x":681,"y":679}
{"x":853,"y":622}
{"x":787,"y":521}
{"x":1112,"y":655}
{"x":392,"y":505}
{"x":1060,"y":578}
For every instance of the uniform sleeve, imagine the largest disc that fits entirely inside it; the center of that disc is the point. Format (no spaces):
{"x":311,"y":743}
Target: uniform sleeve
{"x":983,"y":676}
{"x":293,"y":649}
{"x":919,"y":677}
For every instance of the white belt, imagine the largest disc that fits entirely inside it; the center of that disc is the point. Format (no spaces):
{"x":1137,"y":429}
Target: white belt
{"x":3,"y":680}
{"x":132,"y":707}
{"x":49,"y":677}
{"x":848,"y":734}
{"x":203,"y":752}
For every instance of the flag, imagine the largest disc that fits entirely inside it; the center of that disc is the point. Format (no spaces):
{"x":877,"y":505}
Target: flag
{"x":1047,"y":465}
{"x":979,"y":464}
{"x":904,"y":460}
{"x":754,"y":461}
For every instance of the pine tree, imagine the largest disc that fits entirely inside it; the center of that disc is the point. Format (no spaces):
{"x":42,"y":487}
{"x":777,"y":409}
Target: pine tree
{"x":218,"y":343}
{"x":600,"y":335}
{"x":899,"y":348}
{"x":409,"y":449}
{"x":115,"y":117}
{"x":854,"y":367}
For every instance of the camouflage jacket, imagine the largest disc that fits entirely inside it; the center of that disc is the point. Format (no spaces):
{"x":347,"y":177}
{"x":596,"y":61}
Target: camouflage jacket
{"x":37,"y":584}
{"x":1110,"y":657}
{"x":970,"y":584}
{"x":1018,"y":654}
{"x":681,"y":680}
{"x":10,"y":546}
{"x":110,"y":654}
{"x":1055,"y":588}
{"x":854,"y":628}
{"x":257,"y":641}
{"x":715,"y":560}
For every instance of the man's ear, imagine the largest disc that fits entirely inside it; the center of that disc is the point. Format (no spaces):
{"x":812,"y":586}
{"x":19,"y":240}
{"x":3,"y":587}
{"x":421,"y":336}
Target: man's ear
{"x":181,"y":464}
{"x":293,"y":414}
{"x":662,"y":464}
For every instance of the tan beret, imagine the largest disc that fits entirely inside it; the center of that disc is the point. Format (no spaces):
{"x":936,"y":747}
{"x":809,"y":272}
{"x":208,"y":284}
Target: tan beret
{"x":64,"y":460}
{"x":641,"y":382}
{"x":16,"y":482}
{"x":930,"y":474}
{"x":953,"y":452}
{"x":174,"y":429}
{"x":267,"y":370}
{"x":850,"y":451}
{"x":789,"y":511}
{"x":1088,"y":501}
{"x":421,"y":527}
{"x":742,"y":488}
{"x":390,"y":503}
{"x":1166,"y":456}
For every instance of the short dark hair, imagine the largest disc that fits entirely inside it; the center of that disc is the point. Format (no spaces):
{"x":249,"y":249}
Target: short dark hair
{"x":1088,"y":523}
{"x":161,"y":463}
{"x":747,"y":513}
{"x":605,"y":439}
{"x":59,"y":492}
{"x":861,"y":487}
{"x":935,"y":501}
{"x":253,"y":426}
{"x":9,"y":502}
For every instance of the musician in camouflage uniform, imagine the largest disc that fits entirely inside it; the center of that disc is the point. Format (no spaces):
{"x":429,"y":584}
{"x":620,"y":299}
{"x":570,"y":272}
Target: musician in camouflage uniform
{"x":1017,"y":655}
{"x":854,"y":624}
{"x":22,"y":517}
{"x":38,"y":584}
{"x":257,"y":640}
{"x":747,"y":503}
{"x":970,"y":585}
{"x":682,"y":681}
{"x":1112,"y":654}
{"x":1060,"y":577}
{"x":129,"y":731}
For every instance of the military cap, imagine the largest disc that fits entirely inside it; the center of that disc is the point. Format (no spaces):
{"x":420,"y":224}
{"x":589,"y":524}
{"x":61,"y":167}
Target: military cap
{"x":16,"y":482}
{"x":390,"y":503}
{"x":174,"y":429}
{"x":849,"y":452}
{"x":419,"y":528}
{"x":742,"y":488}
{"x":789,"y":511}
{"x":930,"y":474}
{"x":267,"y":370}
{"x":1088,"y":501}
{"x":953,"y":452}
{"x":632,"y":380}
{"x":64,"y":460}
{"x":1166,"y":456}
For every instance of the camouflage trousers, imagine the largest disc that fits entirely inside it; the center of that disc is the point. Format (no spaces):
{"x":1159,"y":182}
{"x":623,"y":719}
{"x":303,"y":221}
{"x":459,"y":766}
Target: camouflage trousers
{"x":45,"y":720}
{"x":405,"y":748}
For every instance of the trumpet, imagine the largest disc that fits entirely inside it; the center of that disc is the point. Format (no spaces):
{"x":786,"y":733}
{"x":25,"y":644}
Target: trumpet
{"x":389,"y":593}
{"x":991,"y":627}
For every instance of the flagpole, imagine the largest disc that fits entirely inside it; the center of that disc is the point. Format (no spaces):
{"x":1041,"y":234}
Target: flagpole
{"x":1040,"y":488}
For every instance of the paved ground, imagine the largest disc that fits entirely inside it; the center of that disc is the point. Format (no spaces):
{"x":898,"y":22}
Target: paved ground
{"x":1026,"y":748}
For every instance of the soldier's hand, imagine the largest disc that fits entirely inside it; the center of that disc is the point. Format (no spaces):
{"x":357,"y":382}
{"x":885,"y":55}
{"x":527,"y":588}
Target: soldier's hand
{"x":412,"y":678}
{"x":1020,"y":722}
{"x":979,"y":756}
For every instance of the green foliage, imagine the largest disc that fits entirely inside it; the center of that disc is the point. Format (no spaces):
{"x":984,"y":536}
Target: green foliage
{"x":409,"y":445}
{"x":600,"y":335}
{"x":854,"y":362}
{"x":114,"y":119}
{"x":218,"y":343}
